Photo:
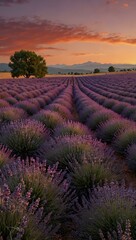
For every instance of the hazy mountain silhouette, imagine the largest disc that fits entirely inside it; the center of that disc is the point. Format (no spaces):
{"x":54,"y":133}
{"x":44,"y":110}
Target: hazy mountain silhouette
{"x":80,"y":68}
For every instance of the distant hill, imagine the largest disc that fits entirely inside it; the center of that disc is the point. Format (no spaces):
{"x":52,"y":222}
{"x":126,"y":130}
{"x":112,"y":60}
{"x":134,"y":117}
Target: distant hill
{"x":90,"y":66}
{"x":56,"y":70}
{"x":4,"y":67}
{"x":86,"y":67}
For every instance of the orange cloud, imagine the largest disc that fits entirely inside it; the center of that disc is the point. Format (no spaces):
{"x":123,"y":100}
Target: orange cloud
{"x":28,"y":34}
{"x":79,"y":54}
{"x":48,"y":55}
{"x":125,"y":5}
{"x":41,"y":47}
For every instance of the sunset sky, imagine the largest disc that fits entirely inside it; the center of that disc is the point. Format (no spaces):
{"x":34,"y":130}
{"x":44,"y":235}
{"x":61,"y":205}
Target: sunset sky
{"x":70,"y":31}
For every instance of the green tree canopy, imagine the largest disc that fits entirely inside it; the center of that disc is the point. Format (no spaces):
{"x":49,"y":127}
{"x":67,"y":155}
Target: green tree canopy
{"x":111,"y":69}
{"x":96,"y":70}
{"x":27,"y":63}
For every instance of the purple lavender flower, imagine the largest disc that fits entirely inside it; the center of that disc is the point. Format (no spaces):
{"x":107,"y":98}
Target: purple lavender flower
{"x":107,"y":207}
{"x":24,"y":138}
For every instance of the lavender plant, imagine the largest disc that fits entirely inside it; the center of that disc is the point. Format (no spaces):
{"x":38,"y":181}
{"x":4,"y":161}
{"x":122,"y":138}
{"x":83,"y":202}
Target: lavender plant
{"x":124,"y":140}
{"x":107,"y":207}
{"x":28,"y":106}
{"x":108,"y":130}
{"x":4,"y":156}
{"x":23,"y":138}
{"x":119,"y":233}
{"x":98,"y":118}
{"x":62,"y":110}
{"x":71,"y":128}
{"x":91,"y":172}
{"x":68,"y":149}
{"x":21,"y":218}
{"x":47,"y":183}
{"x":49,"y":118}
{"x":3,"y":103}
{"x":9,"y":114}
{"x":131,"y":157}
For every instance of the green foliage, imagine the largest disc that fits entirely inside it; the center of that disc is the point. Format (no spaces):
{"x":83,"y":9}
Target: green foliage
{"x":108,"y":130}
{"x":124,"y":140}
{"x":111,"y":69}
{"x":96,"y":70}
{"x":24,"y":138}
{"x":27,"y":63}
{"x":49,"y":118}
{"x":87,"y":175}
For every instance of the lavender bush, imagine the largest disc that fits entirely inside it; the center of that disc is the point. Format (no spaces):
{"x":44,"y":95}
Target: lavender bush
{"x":9,"y":114}
{"x":24,"y":137}
{"x":119,"y":234}
{"x":108,"y":130}
{"x":68,"y":149}
{"x":98,"y":118}
{"x":124,"y":140}
{"x":4,"y":156}
{"x":91,"y":172}
{"x":71,"y":128}
{"x":108,"y":205}
{"x":3,"y":103}
{"x":131,"y":157}
{"x":47,"y":183}
{"x":49,"y":118}
{"x":21,"y":218}
{"x":29,"y":107}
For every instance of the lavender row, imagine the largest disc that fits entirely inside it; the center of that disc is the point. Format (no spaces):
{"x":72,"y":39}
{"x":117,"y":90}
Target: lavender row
{"x":9,"y":94}
{"x":57,"y":179}
{"x":124,"y":109}
{"x":107,"y":92}
{"x":109,"y":127}
{"x":124,"y":83}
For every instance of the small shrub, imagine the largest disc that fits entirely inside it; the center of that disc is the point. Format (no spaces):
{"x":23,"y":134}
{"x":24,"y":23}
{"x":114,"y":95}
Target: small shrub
{"x":62,"y":110}
{"x":4,"y":156}
{"x":98,"y":118}
{"x":70,"y":128}
{"x":108,"y":103}
{"x":124,"y":140}
{"x":131,"y":157}
{"x":20,"y":218}
{"x":108,"y":205}
{"x":11,"y":100}
{"x":108,"y":130}
{"x":24,"y":138}
{"x":128,"y":111}
{"x":119,"y":107}
{"x":68,"y":149}
{"x":49,"y":118}
{"x":3,"y":103}
{"x":120,"y":233}
{"x":47,"y":183}
{"x":11,"y":114}
{"x":89,"y":174}
{"x":29,"y":107}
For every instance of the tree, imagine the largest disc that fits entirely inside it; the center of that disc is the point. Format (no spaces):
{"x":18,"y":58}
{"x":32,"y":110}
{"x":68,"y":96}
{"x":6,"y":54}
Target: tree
{"x":27,"y":63}
{"x":96,"y":70}
{"x":111,"y":69}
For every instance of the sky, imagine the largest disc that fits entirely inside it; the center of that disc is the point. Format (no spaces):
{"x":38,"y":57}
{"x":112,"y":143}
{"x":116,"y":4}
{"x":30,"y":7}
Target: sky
{"x":69,"y":31}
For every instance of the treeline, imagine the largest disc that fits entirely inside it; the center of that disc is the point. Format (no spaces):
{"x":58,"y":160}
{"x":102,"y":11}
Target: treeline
{"x":97,"y":70}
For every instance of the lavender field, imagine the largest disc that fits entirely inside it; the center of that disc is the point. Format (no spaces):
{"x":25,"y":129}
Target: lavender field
{"x":68,"y":158}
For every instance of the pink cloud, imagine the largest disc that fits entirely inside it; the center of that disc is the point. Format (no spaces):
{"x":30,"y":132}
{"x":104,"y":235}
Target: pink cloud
{"x":29,"y":34}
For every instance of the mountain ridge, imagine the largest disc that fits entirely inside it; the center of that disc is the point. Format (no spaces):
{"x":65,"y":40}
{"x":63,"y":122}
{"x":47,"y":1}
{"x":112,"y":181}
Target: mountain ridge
{"x":86,"y":67}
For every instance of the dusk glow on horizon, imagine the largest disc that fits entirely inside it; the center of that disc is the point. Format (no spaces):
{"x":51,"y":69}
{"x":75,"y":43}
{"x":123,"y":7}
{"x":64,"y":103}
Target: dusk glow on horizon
{"x":69,"y":32}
